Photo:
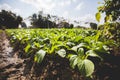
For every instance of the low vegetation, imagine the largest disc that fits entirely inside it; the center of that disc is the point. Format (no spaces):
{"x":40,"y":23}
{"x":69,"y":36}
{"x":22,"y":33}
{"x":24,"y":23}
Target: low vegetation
{"x":76,"y":45}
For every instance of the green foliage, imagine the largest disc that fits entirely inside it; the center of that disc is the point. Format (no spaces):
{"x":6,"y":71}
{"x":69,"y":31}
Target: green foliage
{"x":62,"y":53}
{"x":76,"y":45}
{"x":86,"y":67}
{"x":93,"y":25}
{"x":111,"y":9}
{"x":9,"y":19}
{"x":27,"y":48}
{"x":111,"y":26}
{"x":40,"y":21}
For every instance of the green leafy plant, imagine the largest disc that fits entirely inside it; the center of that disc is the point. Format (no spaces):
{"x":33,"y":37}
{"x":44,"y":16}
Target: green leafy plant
{"x":39,"y":56}
{"x":77,"y":45}
{"x":81,"y":61}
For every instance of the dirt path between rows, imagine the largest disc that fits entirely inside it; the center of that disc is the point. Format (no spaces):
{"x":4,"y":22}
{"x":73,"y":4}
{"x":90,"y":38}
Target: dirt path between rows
{"x":11,"y":66}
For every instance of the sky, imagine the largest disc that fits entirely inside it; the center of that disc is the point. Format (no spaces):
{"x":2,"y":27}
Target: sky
{"x":80,"y":10}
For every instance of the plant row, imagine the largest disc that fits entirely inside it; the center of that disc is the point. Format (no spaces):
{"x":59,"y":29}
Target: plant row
{"x":76,"y":45}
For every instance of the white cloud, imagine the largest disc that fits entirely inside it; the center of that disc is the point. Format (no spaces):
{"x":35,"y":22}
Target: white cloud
{"x":5,"y":6}
{"x":49,"y":5}
{"x":74,"y":0}
{"x":91,"y":18}
{"x":88,"y":18}
{"x":85,"y":20}
{"x":45,"y":5}
{"x":65,"y":3}
{"x":79,"y":6}
{"x":65,"y":14}
{"x":8,"y":7}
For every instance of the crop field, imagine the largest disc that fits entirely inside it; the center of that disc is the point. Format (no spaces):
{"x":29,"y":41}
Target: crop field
{"x":76,"y":45}
{"x":60,"y":40}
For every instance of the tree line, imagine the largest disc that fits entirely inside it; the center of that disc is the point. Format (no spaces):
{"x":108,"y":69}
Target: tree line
{"x":9,"y":19}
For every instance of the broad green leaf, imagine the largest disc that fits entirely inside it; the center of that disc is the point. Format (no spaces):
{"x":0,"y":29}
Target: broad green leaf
{"x":93,"y":54}
{"x":81,"y":52}
{"x":75,"y":48}
{"x":27,"y":48}
{"x":61,"y":53}
{"x":98,"y":16}
{"x":102,"y":49}
{"x":70,"y":44}
{"x":82,"y":45}
{"x":86,"y":67}
{"x":106,"y":47}
{"x":39,"y":56}
{"x":73,"y":61}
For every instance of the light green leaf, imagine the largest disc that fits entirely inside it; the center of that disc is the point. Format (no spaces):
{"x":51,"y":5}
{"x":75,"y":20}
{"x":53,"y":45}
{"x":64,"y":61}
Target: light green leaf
{"x":61,"y":53}
{"x":93,"y":54}
{"x":106,"y":47}
{"x":98,"y":16}
{"x":73,"y":61}
{"x":74,"y":48}
{"x":27,"y":48}
{"x":86,"y":67}
{"x":37,"y":44}
{"x":70,"y":44}
{"x":82,"y":45}
{"x":52,"y":50}
{"x":39,"y":56}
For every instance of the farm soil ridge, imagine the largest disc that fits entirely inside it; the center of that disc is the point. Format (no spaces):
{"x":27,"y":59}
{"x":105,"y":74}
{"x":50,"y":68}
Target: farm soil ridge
{"x":11,"y":67}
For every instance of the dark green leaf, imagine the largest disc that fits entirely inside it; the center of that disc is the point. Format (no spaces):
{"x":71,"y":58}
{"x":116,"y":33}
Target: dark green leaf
{"x":81,"y":52}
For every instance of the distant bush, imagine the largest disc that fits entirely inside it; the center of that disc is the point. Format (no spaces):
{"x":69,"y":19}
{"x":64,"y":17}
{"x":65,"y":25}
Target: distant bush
{"x":93,"y":25}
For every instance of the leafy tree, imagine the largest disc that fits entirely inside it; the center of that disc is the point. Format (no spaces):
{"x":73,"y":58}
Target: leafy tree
{"x":64,"y":24}
{"x":9,"y":19}
{"x":93,"y":25}
{"x":111,"y":26}
{"x":40,"y":21}
{"x":71,"y":25}
{"x":111,"y":9}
